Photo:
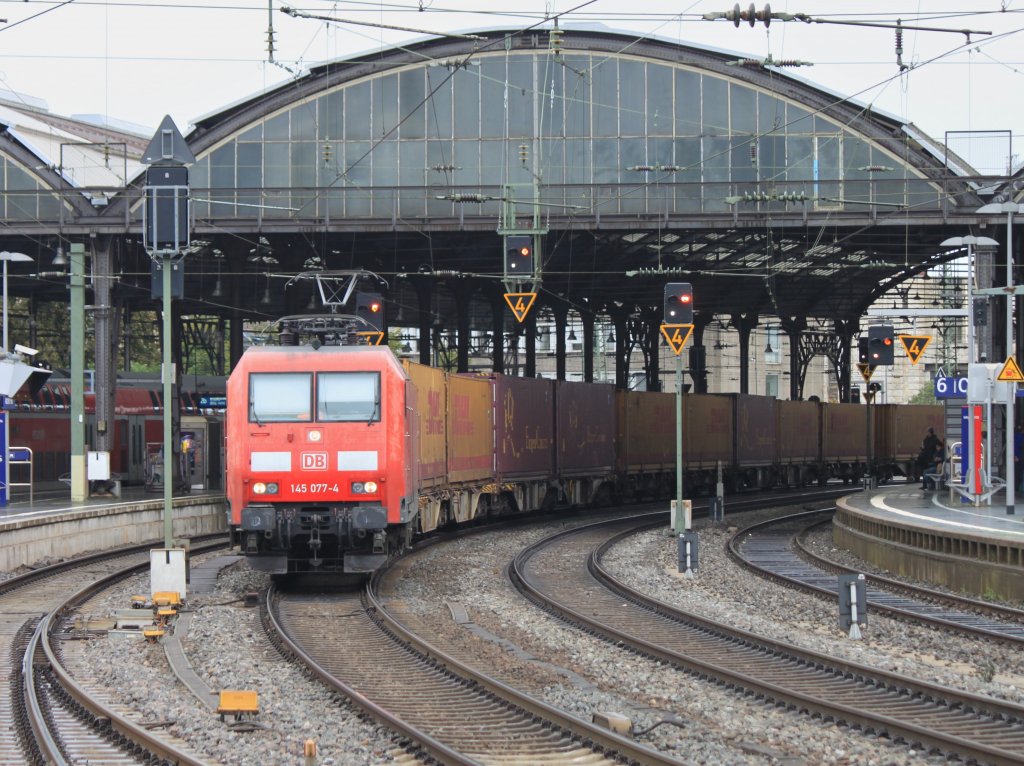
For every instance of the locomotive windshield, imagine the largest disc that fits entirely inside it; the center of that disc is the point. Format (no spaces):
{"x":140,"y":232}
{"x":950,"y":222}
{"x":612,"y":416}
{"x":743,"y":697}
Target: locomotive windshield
{"x":280,"y":397}
{"x":346,"y":396}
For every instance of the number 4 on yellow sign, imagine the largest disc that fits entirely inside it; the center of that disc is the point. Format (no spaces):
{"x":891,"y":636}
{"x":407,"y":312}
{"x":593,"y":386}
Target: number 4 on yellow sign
{"x":677,"y":335}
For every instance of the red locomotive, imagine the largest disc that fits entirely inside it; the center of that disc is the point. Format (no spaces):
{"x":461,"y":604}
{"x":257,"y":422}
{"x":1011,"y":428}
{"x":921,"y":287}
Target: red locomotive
{"x":321,"y":467}
{"x":337,"y":455}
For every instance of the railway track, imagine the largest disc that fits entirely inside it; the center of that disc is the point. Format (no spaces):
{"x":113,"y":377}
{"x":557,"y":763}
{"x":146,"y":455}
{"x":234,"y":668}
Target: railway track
{"x":47,"y":716}
{"x":563,"y":574}
{"x":776,"y":549}
{"x":457,"y":715}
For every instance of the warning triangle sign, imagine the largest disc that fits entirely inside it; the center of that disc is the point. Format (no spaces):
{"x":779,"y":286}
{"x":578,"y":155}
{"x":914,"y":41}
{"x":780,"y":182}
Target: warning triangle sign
{"x":677,"y":335}
{"x":915,"y":345}
{"x":1011,"y":372}
{"x":373,"y":337}
{"x":866,"y":370}
{"x":520,"y":303}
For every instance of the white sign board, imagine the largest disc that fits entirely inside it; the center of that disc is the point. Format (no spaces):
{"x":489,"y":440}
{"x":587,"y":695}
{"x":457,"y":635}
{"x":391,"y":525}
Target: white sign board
{"x":982,"y":386}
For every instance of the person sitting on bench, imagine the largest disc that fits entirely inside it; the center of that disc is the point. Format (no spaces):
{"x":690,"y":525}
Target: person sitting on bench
{"x":932,"y":477}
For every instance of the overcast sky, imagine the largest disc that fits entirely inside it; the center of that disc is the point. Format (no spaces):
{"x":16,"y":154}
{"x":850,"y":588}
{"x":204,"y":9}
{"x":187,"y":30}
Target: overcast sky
{"x":139,"y":60}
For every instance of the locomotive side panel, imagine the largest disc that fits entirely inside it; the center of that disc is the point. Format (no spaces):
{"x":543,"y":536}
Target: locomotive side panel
{"x":646,"y":428}
{"x":470,"y":429}
{"x":585,"y":428}
{"x":524,"y":427}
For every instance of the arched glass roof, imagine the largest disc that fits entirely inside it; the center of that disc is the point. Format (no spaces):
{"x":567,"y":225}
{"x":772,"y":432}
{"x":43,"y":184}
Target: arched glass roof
{"x":602,"y":133}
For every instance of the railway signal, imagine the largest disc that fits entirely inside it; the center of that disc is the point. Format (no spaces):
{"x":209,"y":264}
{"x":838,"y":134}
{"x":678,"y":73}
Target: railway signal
{"x":880,"y":345}
{"x":370,"y":306}
{"x":678,"y":303}
{"x":519,"y":256}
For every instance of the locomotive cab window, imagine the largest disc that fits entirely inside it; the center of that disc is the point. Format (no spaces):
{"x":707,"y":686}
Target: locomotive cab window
{"x":280,"y":397}
{"x":348,"y":396}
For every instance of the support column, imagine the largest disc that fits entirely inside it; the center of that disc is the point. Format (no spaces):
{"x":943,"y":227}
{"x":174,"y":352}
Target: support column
{"x":744,"y":323}
{"x":463,"y":296}
{"x":653,"y":327}
{"x":699,"y":375}
{"x":560,"y":312}
{"x":530,"y":367}
{"x":793,"y":327}
{"x":103,"y":339}
{"x":620,"y":319}
{"x":79,"y":484}
{"x":426,"y":317}
{"x":588,"y":346}
{"x":498,"y":308}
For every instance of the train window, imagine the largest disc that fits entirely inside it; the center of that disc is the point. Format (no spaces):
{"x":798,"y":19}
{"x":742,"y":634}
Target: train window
{"x":280,"y":397}
{"x":345,"y":396}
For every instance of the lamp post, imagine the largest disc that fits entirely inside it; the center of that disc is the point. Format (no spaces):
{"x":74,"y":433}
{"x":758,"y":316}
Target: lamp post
{"x":1009,"y":208}
{"x":6,"y":256}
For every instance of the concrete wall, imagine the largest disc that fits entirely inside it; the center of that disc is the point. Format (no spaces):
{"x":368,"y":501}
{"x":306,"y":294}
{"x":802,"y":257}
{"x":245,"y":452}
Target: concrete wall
{"x":24,"y":542}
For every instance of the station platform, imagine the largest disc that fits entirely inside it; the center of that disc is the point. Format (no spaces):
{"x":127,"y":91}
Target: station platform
{"x":925,"y":535}
{"x":52,"y":528}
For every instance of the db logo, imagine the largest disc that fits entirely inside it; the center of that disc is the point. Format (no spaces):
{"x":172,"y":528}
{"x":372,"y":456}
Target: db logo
{"x":314,"y":461}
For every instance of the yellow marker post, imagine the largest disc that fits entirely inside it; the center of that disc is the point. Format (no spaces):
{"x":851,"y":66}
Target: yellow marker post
{"x":866,"y":370}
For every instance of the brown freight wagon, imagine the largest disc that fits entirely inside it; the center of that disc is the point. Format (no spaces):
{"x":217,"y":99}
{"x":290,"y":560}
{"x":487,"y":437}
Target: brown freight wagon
{"x":899,"y":431}
{"x":645,"y":458}
{"x":707,"y":432}
{"x":585,"y":438}
{"x":844,"y":429}
{"x":757,"y":426}
{"x":799,"y":442}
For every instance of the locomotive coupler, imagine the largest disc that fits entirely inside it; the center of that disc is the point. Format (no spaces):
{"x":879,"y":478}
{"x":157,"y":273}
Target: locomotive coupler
{"x":314,"y":546}
{"x":379,"y":542}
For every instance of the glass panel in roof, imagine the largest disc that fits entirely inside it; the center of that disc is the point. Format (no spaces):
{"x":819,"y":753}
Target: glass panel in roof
{"x":659,"y":100}
{"x":632,"y":90}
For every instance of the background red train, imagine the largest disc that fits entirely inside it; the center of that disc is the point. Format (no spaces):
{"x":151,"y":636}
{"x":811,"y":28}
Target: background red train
{"x":42,"y":423}
{"x":439,"y":448}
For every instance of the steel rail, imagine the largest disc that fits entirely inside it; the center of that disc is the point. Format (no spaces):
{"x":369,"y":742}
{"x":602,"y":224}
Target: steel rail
{"x":42,"y":640}
{"x":1014,"y":633}
{"x":868,"y":677}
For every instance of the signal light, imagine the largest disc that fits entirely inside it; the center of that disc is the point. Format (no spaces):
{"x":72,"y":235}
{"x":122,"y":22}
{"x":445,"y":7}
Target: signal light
{"x":881,"y":344}
{"x":678,"y":303}
{"x":370,"y":307}
{"x":519,"y":255}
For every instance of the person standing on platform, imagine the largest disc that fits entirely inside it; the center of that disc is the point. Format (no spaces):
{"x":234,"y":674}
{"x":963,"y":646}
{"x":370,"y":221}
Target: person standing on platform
{"x":926,"y":459}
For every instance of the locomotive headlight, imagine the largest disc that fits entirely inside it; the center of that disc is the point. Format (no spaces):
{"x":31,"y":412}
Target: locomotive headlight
{"x":272,"y":488}
{"x":357,"y":488}
{"x":259,"y":488}
{"x":370,"y":487}
{"x":315,"y":436}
